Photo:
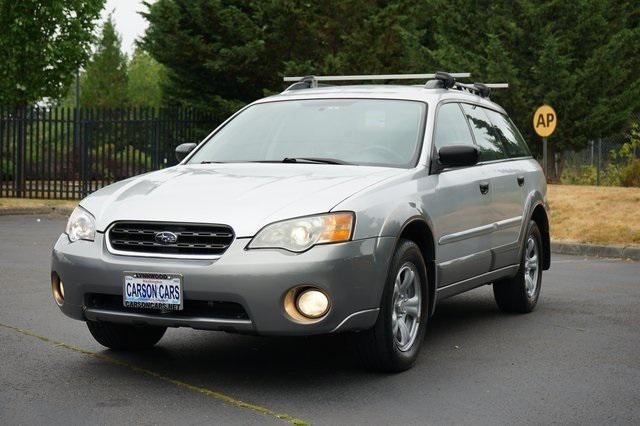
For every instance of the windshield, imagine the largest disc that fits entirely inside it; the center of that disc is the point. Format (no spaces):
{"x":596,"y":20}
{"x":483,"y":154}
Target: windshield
{"x":336,"y":131}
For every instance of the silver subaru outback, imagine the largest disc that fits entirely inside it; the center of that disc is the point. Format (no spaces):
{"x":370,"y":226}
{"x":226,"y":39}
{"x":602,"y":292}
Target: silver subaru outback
{"x":324,"y":209}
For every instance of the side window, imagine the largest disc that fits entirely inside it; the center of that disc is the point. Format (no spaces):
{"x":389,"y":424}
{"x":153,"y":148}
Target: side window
{"x":451,"y":127}
{"x":511,"y":138}
{"x":487,"y":137}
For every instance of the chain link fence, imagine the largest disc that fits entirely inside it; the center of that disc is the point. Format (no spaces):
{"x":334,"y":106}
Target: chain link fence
{"x":610,"y":161}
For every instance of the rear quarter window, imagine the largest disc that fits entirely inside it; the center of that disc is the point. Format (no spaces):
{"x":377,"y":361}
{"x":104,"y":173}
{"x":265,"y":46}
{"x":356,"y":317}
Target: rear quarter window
{"x":514,"y":144}
{"x":487,"y":137}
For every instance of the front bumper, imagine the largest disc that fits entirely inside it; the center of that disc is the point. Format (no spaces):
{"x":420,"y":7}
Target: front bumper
{"x":352,"y":273}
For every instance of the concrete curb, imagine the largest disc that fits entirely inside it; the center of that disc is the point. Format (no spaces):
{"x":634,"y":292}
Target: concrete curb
{"x":580,"y":249}
{"x":36,"y":210}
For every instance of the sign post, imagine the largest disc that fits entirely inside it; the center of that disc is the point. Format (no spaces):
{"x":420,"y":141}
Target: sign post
{"x":544,"y":156}
{"x":544,"y":123}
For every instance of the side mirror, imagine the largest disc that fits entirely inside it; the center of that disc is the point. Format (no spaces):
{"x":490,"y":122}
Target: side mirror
{"x":458,"y":156}
{"x":183,"y":150}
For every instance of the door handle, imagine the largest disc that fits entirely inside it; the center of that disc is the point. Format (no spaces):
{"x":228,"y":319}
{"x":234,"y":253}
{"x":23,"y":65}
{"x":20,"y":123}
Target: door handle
{"x":484,"y":187}
{"x":520,"y":180}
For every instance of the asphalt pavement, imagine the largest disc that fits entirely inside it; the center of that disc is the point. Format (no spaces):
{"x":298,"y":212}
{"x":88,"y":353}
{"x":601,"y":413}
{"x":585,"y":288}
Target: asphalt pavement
{"x":575,"y":359}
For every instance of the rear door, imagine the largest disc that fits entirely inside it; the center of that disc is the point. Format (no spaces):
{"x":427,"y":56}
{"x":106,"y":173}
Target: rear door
{"x":490,"y":131}
{"x":515,"y":176}
{"x":459,"y":207}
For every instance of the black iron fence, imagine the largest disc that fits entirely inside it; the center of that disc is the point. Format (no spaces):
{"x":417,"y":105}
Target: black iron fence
{"x":67,"y":153}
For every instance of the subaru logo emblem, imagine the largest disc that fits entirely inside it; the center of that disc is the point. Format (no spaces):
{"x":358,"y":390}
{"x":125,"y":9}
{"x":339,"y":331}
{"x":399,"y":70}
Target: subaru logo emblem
{"x":166,"y":237}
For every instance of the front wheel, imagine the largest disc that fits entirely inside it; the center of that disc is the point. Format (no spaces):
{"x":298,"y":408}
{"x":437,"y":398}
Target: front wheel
{"x":125,"y":336}
{"x":520,"y":293}
{"x":393,"y":344}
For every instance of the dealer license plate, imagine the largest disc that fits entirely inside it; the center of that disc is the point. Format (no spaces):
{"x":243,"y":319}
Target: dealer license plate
{"x":152,"y":291}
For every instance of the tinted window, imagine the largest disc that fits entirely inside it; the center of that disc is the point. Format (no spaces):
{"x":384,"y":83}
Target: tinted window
{"x":487,"y":137}
{"x":358,"y":131}
{"x":511,"y":138}
{"x":451,"y":127}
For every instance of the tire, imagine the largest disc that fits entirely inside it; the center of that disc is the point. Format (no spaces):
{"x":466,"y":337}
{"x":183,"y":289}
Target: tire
{"x":382,"y":349}
{"x":124,"y":336}
{"x":516,"y":294}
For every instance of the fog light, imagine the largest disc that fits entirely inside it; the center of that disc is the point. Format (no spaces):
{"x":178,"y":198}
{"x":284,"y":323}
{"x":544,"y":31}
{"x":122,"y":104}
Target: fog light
{"x":312,"y":303}
{"x":57,"y":288}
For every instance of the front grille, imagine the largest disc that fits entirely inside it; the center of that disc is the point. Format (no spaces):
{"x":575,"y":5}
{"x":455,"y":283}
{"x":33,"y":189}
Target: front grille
{"x":192,"y":308}
{"x":190,"y":239}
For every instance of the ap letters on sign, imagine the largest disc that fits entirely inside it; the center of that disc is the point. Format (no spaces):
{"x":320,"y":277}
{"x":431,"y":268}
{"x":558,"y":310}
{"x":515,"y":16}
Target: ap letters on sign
{"x":545,"y":121}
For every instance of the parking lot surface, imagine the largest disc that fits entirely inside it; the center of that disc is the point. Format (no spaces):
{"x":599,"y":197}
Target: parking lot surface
{"x":575,"y":359}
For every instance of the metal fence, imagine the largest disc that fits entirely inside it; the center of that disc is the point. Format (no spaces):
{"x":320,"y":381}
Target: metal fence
{"x":605,"y":161}
{"x":67,"y":153}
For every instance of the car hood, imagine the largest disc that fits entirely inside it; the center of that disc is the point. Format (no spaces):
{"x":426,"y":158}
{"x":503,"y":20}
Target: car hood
{"x":246,"y":196}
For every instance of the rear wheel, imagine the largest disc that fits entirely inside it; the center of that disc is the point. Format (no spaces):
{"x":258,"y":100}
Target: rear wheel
{"x":125,"y":336}
{"x":521,"y":293}
{"x":393,"y":344}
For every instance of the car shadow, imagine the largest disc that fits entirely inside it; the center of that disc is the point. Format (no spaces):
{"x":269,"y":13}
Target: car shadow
{"x":317,"y":361}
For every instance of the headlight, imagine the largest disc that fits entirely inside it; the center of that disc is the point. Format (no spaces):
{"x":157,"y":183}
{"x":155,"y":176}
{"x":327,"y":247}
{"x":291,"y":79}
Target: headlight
{"x":303,"y":233}
{"x":81,"y":225}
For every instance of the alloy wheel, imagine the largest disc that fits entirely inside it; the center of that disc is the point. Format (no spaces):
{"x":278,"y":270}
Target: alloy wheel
{"x":407,"y":306}
{"x":531,"y":269}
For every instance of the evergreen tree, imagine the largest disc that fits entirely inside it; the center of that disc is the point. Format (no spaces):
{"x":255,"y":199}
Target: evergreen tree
{"x":222,"y":54}
{"x":210,"y":49}
{"x":145,"y":79}
{"x":104,"y":83}
{"x":580,"y":57}
{"x":42,"y":44}
{"x":344,"y":37}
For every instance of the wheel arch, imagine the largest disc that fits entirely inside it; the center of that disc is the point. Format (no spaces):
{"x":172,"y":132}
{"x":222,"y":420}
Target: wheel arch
{"x":536,"y":210}
{"x":418,"y":230}
{"x":539,"y":216}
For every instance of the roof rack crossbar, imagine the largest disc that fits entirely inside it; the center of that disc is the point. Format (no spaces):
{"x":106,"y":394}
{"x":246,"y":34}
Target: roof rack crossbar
{"x":306,"y":82}
{"x":442,"y":80}
{"x":445,"y":80}
{"x":375,"y":77}
{"x":481,"y":89}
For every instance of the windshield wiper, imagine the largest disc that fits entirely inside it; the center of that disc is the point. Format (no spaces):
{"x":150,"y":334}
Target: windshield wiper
{"x":314,"y":160}
{"x":311,"y":160}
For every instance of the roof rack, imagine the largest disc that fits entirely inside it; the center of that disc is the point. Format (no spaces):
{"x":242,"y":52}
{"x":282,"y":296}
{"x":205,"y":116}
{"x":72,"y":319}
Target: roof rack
{"x":447,"y":81}
{"x":439,"y":79}
{"x":311,"y":81}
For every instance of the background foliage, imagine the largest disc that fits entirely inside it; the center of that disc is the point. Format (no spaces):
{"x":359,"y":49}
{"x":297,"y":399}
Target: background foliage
{"x":104,"y":83}
{"x":223,"y":54}
{"x":111,"y":80}
{"x":42,"y":44}
{"x":582,"y":56}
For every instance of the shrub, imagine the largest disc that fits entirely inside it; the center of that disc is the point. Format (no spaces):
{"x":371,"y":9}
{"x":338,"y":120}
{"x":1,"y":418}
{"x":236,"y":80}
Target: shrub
{"x":630,"y":174}
{"x":138,"y":161}
{"x":579,"y":175}
{"x":111,"y":163}
{"x":6,"y":169}
{"x":622,"y":168}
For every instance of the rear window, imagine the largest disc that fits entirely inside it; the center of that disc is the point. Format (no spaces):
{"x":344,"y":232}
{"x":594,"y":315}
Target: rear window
{"x":512,"y":140}
{"x":486,"y":135}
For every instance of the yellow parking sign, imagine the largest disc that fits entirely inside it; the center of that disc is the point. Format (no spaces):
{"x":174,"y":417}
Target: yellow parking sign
{"x":544,"y":121}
